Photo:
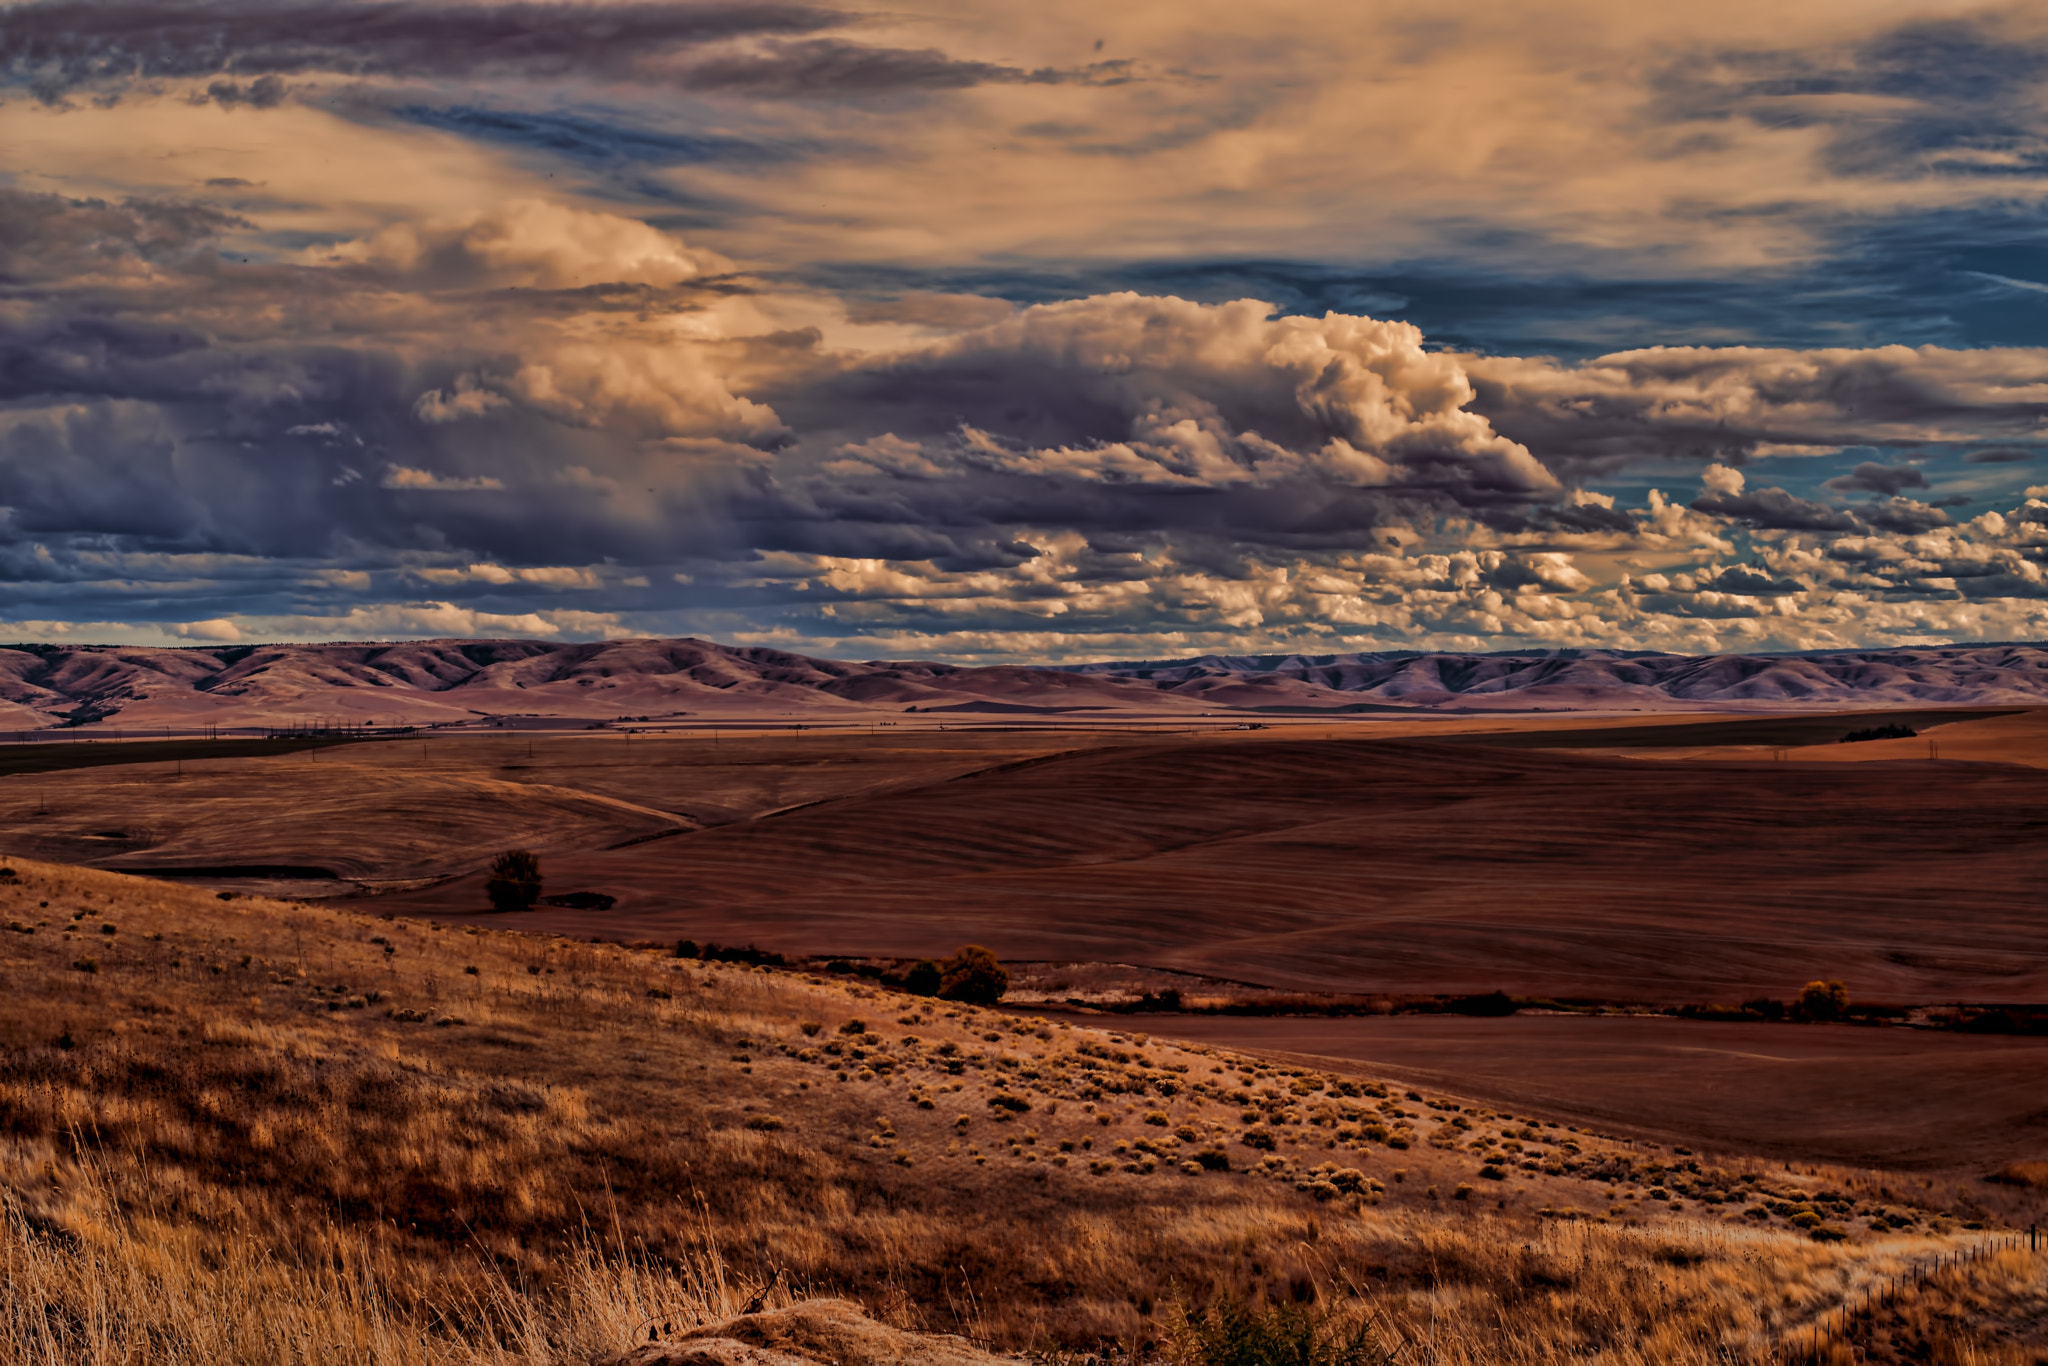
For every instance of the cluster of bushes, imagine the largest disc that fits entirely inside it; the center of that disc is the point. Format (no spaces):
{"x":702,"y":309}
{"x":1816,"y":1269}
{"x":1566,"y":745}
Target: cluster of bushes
{"x":1167,"y":1001}
{"x":1818,"y":1001}
{"x":713,"y":953}
{"x":973,"y":975}
{"x":1879,"y":733}
{"x":2001,"y":1020}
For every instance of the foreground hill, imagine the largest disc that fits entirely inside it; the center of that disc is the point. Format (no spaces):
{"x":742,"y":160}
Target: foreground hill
{"x":440,"y":682}
{"x":256,"y":1131}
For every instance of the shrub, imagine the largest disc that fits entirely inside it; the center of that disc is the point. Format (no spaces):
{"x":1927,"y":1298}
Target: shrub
{"x":974,"y":976}
{"x":1259,"y":1138}
{"x":514,"y":883}
{"x":1827,"y":1000}
{"x":1892,"y":732}
{"x":766,"y":1124}
{"x":854,"y":1027}
{"x":1003,"y":1100}
{"x":923,"y":979}
{"x":811,"y":1028}
{"x":1493,"y":1003}
{"x":1230,"y":1333}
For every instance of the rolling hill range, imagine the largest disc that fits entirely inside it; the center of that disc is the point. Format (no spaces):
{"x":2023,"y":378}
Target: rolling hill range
{"x":444,"y":682}
{"x":1953,"y":675}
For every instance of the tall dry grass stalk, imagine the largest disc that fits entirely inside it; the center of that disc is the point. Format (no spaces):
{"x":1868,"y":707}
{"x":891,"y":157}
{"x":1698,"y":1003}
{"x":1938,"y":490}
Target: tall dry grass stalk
{"x":113,"y":1288}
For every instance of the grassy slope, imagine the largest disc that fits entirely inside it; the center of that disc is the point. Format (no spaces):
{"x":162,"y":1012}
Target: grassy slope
{"x":287,"y":1116}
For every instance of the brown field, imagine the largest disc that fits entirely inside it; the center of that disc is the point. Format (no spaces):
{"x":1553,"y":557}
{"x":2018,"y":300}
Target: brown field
{"x":241,"y":1131}
{"x":1389,"y":865}
{"x":1901,"y":1098}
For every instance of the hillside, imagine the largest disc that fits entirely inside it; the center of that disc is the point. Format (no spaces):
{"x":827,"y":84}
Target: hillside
{"x":1948,"y":675}
{"x":443,"y":682}
{"x":250,"y":1130}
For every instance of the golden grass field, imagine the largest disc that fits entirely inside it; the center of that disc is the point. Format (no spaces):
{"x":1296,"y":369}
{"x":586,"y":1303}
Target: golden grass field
{"x":257,"y":1131}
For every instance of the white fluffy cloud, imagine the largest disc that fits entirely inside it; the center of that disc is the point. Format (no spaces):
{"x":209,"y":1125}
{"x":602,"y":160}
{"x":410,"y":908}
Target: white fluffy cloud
{"x":526,"y":244}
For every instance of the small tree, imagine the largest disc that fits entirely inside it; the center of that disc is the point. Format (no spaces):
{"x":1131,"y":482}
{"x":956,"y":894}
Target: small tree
{"x":515,"y":881}
{"x":923,"y":979}
{"x":973,"y":975}
{"x":1827,"y":1000}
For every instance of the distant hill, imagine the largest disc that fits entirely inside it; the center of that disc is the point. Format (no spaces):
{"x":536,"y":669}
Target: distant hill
{"x":1958,"y":675}
{"x":449,"y":681}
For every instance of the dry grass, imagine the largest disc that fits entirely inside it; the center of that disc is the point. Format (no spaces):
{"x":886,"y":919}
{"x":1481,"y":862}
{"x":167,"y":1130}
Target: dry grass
{"x":257,"y":1131}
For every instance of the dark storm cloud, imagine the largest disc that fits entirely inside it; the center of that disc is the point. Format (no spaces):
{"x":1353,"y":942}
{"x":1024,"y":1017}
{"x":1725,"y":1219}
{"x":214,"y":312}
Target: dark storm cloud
{"x":1870,"y":477}
{"x":59,"y":46}
{"x":46,"y":237}
{"x":1750,"y":582}
{"x":2000,"y":455}
{"x":1773,"y":509}
{"x":1696,"y":404}
{"x":1904,"y":517}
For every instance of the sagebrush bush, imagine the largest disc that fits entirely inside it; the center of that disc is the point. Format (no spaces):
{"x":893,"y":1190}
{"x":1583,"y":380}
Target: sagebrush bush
{"x":514,"y":883}
{"x":1232,"y":1333}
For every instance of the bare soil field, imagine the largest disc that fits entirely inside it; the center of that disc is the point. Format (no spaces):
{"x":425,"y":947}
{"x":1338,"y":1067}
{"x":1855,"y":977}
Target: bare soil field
{"x":1884,"y":1097}
{"x":1382,"y":865}
{"x":360,"y":816}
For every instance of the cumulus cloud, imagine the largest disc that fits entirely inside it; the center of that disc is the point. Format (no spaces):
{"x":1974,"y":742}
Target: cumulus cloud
{"x":217,"y":628}
{"x":1731,"y":403}
{"x":527,"y":244}
{"x":1770,"y":509}
{"x":548,"y":576}
{"x":1871,"y":477}
{"x":1130,"y":389}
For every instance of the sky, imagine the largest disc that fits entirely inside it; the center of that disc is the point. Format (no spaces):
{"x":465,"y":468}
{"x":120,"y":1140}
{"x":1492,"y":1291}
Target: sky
{"x":997,"y":333}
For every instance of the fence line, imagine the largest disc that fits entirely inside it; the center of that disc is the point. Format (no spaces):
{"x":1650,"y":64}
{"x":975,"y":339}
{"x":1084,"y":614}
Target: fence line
{"x":1833,"y":1326}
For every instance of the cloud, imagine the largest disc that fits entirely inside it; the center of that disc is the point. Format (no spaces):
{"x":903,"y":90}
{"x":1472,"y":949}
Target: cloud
{"x":219,"y":628}
{"x":1903,"y":515}
{"x":527,"y":244}
{"x":690,"y":450}
{"x":1770,"y":509}
{"x":403,"y":477}
{"x":824,"y":68}
{"x":58,"y":46}
{"x":2000,"y":455}
{"x":1730,"y":403}
{"x":1871,"y":477}
{"x":549,"y":576}
{"x":1129,"y":389}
